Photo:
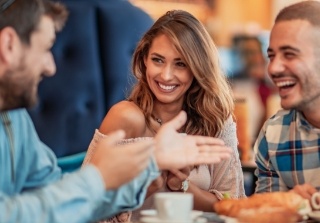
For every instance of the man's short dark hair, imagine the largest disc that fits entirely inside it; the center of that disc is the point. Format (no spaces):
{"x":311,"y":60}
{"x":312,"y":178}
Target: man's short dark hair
{"x":306,"y":10}
{"x":24,"y":15}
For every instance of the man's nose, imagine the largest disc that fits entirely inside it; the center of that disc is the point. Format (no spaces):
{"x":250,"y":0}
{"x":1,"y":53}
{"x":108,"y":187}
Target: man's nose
{"x":49,"y":66}
{"x":276,"y":66}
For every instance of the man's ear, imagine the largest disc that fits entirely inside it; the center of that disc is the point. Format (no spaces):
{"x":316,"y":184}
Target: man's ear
{"x":10,"y":45}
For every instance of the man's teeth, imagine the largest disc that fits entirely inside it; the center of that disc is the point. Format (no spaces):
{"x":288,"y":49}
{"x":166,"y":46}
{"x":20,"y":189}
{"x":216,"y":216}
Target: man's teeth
{"x":285,"y":83}
{"x":164,"y":87}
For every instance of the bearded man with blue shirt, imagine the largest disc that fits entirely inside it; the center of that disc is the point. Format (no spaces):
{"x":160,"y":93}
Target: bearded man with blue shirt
{"x":32,"y":188}
{"x":287,"y":150}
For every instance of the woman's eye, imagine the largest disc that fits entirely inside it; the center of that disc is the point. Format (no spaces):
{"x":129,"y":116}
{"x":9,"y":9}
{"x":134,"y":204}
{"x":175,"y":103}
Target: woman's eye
{"x":181,"y":64}
{"x":157,"y":60}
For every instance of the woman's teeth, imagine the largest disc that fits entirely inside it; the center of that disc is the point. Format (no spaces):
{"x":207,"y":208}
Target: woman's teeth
{"x":165,"y":87}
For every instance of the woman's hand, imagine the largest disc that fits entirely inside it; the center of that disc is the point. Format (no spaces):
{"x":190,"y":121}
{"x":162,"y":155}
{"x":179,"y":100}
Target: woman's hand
{"x":176,"y":177}
{"x":203,"y":200}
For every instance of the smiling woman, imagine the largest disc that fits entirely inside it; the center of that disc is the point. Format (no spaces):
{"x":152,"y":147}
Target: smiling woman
{"x":173,"y":75}
{"x":166,"y":72}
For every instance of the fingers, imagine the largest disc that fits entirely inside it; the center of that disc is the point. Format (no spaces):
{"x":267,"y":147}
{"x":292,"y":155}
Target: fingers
{"x":304,"y":190}
{"x":212,"y":155}
{"x":209,"y":145}
{"x":141,"y":151}
{"x":118,"y":164}
{"x":181,"y":175}
{"x":214,"y":149}
{"x":203,"y":159}
{"x":205,"y":140}
{"x":175,"y":177}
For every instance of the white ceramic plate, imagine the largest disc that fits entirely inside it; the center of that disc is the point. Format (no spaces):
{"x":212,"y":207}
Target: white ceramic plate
{"x":315,"y":215}
{"x":155,"y":219}
{"x":153,"y":213}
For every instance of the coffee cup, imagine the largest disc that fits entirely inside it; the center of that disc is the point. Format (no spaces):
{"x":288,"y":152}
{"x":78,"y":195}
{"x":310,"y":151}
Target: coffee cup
{"x":315,"y":200}
{"x":174,"y":206}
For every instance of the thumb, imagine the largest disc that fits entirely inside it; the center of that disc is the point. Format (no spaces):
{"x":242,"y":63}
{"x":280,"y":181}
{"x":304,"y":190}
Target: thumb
{"x":179,"y":174}
{"x":178,"y":121}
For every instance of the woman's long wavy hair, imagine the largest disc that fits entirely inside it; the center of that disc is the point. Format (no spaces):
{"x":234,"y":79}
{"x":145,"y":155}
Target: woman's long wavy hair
{"x":208,"y":102}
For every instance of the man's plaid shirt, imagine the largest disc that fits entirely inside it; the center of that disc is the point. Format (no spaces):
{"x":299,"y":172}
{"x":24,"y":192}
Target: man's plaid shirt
{"x":287,"y":153}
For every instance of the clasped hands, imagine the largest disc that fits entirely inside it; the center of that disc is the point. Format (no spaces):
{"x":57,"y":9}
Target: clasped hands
{"x":172,"y":179}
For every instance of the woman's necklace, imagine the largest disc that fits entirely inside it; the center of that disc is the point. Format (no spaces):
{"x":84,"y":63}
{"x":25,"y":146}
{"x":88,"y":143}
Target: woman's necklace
{"x":157,"y":120}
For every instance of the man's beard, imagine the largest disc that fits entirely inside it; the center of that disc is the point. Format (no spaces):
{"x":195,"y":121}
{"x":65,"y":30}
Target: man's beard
{"x":16,"y":92}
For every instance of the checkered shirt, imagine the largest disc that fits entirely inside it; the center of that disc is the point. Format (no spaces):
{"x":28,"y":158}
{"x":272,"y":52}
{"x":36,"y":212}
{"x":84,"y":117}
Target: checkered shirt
{"x":287,"y":153}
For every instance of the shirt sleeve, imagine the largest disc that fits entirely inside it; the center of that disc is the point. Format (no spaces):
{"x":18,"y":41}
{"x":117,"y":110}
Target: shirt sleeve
{"x":40,"y":194}
{"x":70,"y":198}
{"x":227,"y":176}
{"x":77,"y":197}
{"x":129,"y":196}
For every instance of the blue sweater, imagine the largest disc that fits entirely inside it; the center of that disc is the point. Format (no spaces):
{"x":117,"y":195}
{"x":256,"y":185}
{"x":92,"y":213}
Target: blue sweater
{"x":32,"y":188}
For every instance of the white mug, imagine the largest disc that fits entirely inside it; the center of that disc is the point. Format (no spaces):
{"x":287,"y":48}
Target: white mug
{"x":174,"y":206}
{"x":315,"y":200}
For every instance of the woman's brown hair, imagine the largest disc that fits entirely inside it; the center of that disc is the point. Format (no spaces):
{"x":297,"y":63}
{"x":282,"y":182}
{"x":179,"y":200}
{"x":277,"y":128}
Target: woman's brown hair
{"x":209,"y":100}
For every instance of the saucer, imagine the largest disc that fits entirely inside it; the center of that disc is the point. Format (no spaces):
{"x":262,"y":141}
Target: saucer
{"x":153,"y":213}
{"x":150,"y":216}
{"x":314,"y":215}
{"x":155,"y":219}
{"x":148,"y":212}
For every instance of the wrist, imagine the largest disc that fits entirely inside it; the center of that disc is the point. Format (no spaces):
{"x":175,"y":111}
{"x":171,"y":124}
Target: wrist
{"x":173,"y":188}
{"x":185,"y":185}
{"x":182,"y":187}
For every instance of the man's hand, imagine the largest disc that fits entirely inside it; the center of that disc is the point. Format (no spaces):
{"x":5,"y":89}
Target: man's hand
{"x":119,"y":164}
{"x":176,"y":151}
{"x":304,"y":190}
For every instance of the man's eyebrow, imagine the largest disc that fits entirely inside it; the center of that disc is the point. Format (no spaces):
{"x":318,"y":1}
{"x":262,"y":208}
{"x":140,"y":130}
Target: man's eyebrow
{"x":269,"y":50}
{"x":289,"y":48}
